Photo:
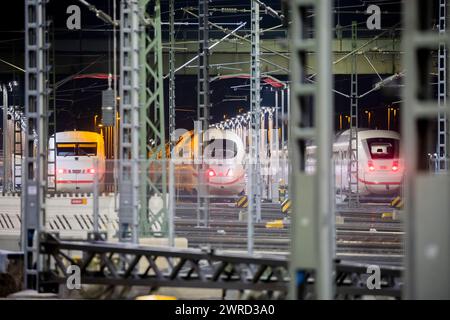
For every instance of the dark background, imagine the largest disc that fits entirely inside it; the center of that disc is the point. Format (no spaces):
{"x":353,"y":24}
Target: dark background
{"x":79,"y":100}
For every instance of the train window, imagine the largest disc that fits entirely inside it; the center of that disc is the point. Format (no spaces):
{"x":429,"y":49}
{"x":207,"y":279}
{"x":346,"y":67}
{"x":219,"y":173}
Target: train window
{"x":65,"y":149}
{"x":383,"y":148}
{"x":76,"y":149}
{"x":87,"y":149}
{"x":220,"y":148}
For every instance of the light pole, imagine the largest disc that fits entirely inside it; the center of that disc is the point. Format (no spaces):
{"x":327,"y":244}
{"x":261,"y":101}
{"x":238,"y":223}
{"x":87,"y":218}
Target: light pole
{"x":348,"y":120}
{"x":395,"y":115}
{"x":369,"y":117}
{"x":389,"y":118}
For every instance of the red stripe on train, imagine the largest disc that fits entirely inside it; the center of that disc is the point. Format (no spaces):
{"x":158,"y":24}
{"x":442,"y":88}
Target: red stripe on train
{"x":379,"y":183}
{"x":74,"y":181}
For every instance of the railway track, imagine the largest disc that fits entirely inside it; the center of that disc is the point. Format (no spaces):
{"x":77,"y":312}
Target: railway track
{"x":364,"y":235}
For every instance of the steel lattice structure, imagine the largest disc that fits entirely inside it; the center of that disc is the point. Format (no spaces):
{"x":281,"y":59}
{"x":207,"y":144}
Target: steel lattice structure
{"x":185,"y":268}
{"x":254,"y":208}
{"x":129,"y":115}
{"x":152,"y":123}
{"x":142,"y":127}
{"x":426,"y":193}
{"x":442,"y":153}
{"x":193,"y":268}
{"x":353,"y":190}
{"x":310,"y":121}
{"x":34,"y":171}
{"x":172,"y":121}
{"x":203,"y":106}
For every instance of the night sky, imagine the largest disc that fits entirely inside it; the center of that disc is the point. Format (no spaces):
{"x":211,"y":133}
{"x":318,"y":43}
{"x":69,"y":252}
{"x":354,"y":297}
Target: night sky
{"x":79,"y":100}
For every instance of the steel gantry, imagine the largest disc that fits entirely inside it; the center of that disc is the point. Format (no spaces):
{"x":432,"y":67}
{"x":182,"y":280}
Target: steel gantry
{"x":442,"y":139}
{"x":254,"y":163}
{"x":203,"y":106}
{"x":34,"y":170}
{"x":142,"y":117}
{"x":427,"y":219}
{"x":311,"y":121}
{"x":353,"y":172}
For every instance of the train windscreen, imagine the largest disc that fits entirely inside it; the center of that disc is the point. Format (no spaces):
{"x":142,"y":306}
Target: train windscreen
{"x":383,"y":148}
{"x":220,"y":148}
{"x":76,"y":149}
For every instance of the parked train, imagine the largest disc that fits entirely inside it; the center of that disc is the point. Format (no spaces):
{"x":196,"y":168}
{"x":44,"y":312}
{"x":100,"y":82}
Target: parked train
{"x":80,"y":155}
{"x":78,"y":151}
{"x":223,"y":156}
{"x":380,"y":164}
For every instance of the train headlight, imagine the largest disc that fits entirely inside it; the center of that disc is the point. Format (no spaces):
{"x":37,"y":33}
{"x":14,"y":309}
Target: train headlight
{"x":211,"y":173}
{"x":395,"y":166}
{"x":91,"y":170}
{"x":60,"y":170}
{"x":371,"y":167}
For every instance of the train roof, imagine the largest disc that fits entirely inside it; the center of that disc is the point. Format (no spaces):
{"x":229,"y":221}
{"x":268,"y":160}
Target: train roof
{"x":213,"y":133}
{"x":364,"y":133}
{"x":71,"y":136}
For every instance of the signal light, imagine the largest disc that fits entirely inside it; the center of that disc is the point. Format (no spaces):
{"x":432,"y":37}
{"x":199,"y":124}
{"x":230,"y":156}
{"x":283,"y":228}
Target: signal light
{"x":211,"y":173}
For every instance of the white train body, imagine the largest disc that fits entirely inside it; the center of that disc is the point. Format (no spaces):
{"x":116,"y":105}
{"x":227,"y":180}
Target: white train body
{"x":224,"y":157}
{"x":380,"y":165}
{"x":80,"y":155}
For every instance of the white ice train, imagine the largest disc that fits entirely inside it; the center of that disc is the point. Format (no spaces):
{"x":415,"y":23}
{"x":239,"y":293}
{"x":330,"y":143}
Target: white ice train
{"x":380,"y":165}
{"x":77,"y":152}
{"x":80,"y":155}
{"x":224,"y":156}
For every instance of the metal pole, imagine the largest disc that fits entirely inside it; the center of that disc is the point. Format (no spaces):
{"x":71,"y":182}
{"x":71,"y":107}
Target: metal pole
{"x":255,"y":113}
{"x":95,"y":200}
{"x":51,"y":176}
{"x":263,"y":155}
{"x":144,"y":114}
{"x":353,"y":190}
{"x":17,"y":145}
{"x":172,"y":123}
{"x":35,"y":162}
{"x":276,"y":184}
{"x":203,"y":110}
{"x":427,"y":220}
{"x":324,"y":131}
{"x":129,"y":115}
{"x":283,"y":135}
{"x":153,"y":220}
{"x":442,"y":90}
{"x":270,"y":157}
{"x":312,"y":217}
{"x":116,"y":124}
{"x":6,"y":152}
{"x":250,"y":219}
